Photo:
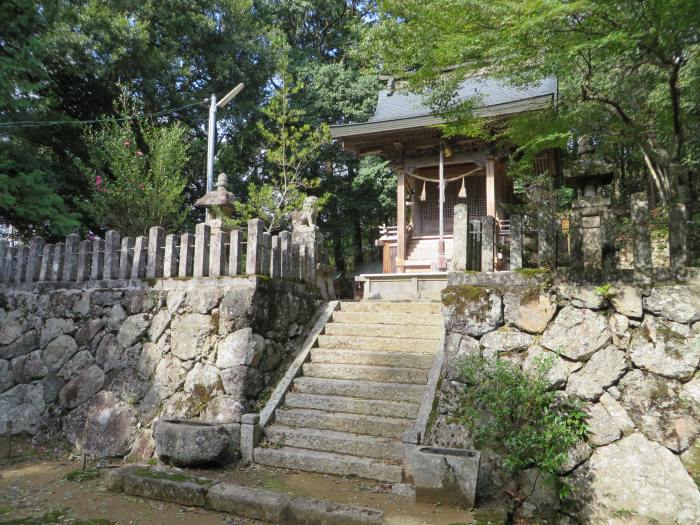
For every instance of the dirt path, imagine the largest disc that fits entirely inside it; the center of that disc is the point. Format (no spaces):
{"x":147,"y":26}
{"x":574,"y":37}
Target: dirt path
{"x":35,"y":483}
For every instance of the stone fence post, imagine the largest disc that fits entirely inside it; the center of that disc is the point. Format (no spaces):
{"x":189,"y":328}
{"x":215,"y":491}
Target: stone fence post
{"x":36,"y":247}
{"x":46,"y":263}
{"x":170,"y":267}
{"x":59,"y":252}
{"x":516,"y":243}
{"x":98,"y":259}
{"x":461,"y":233}
{"x":186,"y":262}
{"x":286,"y":254}
{"x":70,"y":258}
{"x":678,"y":235}
{"x":546,"y":238}
{"x":138,"y":268}
{"x":266,"y":253}
{"x":576,"y":240}
{"x":202,"y":237}
{"x":488,"y":235}
{"x":156,"y":247}
{"x":126,"y":258}
{"x":276,"y":258}
{"x":254,"y":248}
{"x":641,"y":246}
{"x":217,"y":254}
{"x":235,"y":251}
{"x":84,"y":261}
{"x":21,"y":264}
{"x":112,"y":243}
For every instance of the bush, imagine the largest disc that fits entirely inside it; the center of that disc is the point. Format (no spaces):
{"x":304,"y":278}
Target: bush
{"x":517,"y":416}
{"x":137,"y":174}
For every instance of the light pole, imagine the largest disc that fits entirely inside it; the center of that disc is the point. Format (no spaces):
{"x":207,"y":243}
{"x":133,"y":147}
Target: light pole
{"x":211,"y":133}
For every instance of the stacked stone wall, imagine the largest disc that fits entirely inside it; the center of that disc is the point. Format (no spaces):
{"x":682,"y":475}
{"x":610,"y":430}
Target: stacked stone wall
{"x":98,"y":365}
{"x":631,"y":353}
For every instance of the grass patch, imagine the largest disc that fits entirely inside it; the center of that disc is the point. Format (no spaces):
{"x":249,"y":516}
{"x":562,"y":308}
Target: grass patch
{"x":4,"y":509}
{"x":56,"y":516}
{"x":532,"y":272}
{"x":275,"y":484}
{"x":171,"y":476}
{"x":79,"y":476}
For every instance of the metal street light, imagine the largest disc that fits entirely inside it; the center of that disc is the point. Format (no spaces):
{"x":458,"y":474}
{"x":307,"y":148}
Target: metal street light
{"x":211,"y":134}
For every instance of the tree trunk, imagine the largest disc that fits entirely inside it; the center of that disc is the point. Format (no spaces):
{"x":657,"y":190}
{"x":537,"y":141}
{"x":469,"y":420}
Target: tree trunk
{"x":357,"y":252}
{"x":337,"y":238}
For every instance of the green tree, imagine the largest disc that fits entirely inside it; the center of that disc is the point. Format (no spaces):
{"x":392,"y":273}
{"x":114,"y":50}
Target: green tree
{"x":627,"y":70}
{"x":64,"y":61}
{"x":519,"y":417}
{"x":138,"y":175}
{"x":291,"y":148}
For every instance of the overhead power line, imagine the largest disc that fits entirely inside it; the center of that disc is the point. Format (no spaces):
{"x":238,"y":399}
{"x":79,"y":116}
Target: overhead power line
{"x":39,"y":123}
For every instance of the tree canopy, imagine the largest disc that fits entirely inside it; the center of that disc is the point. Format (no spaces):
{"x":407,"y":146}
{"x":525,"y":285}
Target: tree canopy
{"x":627,"y":71}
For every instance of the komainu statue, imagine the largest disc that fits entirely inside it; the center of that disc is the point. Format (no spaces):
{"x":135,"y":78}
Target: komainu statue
{"x":307,"y":215}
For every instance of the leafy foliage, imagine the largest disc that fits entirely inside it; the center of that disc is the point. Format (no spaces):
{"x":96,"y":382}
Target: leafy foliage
{"x":292,"y":146}
{"x":138,"y":179}
{"x":519,"y":417}
{"x":627,"y":71}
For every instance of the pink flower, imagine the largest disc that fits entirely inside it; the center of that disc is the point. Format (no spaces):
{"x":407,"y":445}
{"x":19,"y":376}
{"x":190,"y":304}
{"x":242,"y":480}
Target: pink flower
{"x":139,"y":153}
{"x":98,"y":182}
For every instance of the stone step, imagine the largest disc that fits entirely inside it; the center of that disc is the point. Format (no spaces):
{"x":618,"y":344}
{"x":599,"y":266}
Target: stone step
{"x":352,"y":405}
{"x":339,"y":442}
{"x":359,"y":389}
{"x":328,"y":463}
{"x":384,"y":330}
{"x":402,"y":319}
{"x":383,"y":374}
{"x":371,"y":357}
{"x":378,"y":343}
{"x":339,"y":422}
{"x":413,"y":307}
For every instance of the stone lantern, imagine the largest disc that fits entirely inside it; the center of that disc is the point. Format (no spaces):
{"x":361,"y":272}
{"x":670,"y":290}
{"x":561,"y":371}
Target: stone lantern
{"x":221,"y":199}
{"x":592,"y":222}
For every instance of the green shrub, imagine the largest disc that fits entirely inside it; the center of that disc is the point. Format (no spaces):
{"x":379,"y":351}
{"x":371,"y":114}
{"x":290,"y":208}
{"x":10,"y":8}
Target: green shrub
{"x":516,"y":415}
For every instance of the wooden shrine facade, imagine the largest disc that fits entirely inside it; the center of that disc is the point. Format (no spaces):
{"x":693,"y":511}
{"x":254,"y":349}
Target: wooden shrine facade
{"x":434,"y":173}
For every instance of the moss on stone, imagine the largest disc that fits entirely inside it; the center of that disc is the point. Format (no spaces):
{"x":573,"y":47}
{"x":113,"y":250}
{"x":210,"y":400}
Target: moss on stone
{"x":459,"y":295}
{"x":532,"y":272}
{"x":171,"y":476}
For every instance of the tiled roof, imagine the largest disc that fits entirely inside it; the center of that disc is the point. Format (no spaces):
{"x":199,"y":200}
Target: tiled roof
{"x":396,"y":110}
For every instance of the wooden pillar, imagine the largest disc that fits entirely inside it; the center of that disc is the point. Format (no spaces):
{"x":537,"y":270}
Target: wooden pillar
{"x":491,"y":187}
{"x":401,"y":220}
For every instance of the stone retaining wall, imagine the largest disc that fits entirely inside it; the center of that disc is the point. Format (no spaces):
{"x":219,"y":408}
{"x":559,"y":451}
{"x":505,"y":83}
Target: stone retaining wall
{"x":99,"y":364}
{"x":631,"y":353}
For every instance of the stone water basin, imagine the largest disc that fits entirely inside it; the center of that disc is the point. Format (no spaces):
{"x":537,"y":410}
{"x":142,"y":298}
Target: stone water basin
{"x":184,"y":443}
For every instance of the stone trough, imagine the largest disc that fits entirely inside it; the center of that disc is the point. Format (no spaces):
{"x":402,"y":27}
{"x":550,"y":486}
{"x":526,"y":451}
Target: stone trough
{"x":192,"y":443}
{"x":447,"y":476}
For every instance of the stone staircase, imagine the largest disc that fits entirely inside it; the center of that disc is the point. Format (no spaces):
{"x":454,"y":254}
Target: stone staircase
{"x":358,"y":393}
{"x":422,"y":252}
